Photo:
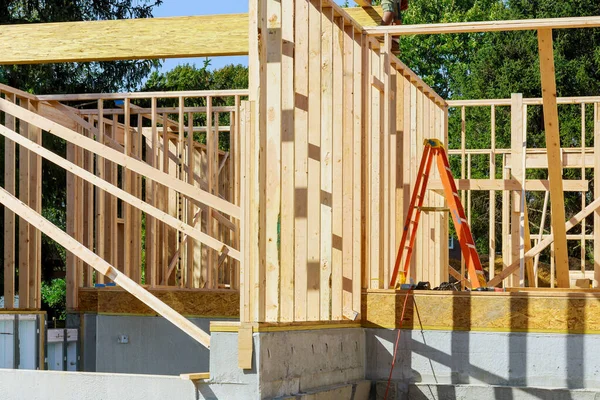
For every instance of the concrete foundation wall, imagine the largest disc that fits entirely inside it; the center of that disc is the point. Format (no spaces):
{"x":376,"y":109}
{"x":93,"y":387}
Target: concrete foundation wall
{"x":296,"y":361}
{"x":568,"y":361}
{"x":285,"y":363}
{"x":51,"y":385}
{"x":155,"y":346}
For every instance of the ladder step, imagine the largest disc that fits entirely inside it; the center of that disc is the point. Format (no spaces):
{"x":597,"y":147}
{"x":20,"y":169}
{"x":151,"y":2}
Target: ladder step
{"x":434,"y":209}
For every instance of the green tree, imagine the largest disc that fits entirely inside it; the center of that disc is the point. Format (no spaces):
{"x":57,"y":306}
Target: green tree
{"x":191,"y":77}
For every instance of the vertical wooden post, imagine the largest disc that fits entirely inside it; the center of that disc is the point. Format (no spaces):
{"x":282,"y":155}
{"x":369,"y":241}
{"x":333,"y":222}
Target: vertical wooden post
{"x":583,"y":193}
{"x":597,"y":193}
{"x":9,"y":216}
{"x":557,"y":202}
{"x":191,"y":210}
{"x":128,"y":244}
{"x":257,"y":96}
{"x":347,"y":169}
{"x":71,"y":267}
{"x":24,"y":230}
{"x":398,"y":167}
{"x":244,"y":175}
{"x":89,"y":210}
{"x":301,"y":159}
{"x":164,"y":195}
{"x":325,"y":158}
{"x":506,"y":240}
{"x":358,"y":165}
{"x":35,"y":198}
{"x":385,"y":156}
{"x":314,"y":161}
{"x":210,"y":143}
{"x":112,"y":200}
{"x":338,"y":234}
{"x":516,"y":172}
{"x":136,"y":182}
{"x":374,"y":165}
{"x":100,"y":196}
{"x":151,"y":228}
{"x":492,"y":214}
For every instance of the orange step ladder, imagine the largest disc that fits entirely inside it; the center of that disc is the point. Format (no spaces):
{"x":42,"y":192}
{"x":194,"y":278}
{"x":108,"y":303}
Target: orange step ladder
{"x":435,"y":149}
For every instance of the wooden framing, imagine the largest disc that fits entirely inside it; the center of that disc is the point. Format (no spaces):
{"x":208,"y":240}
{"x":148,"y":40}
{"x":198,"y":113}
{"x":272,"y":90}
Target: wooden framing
{"x":557,"y":199}
{"x":485,"y":26}
{"x":317,"y":179}
{"x":197,"y":36}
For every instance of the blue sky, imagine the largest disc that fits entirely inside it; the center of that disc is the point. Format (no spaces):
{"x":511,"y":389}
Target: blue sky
{"x":177,"y":8}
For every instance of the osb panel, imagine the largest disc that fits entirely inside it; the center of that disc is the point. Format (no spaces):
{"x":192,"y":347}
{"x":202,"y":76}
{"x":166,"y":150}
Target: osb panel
{"x":516,"y":312}
{"x":88,"y":300}
{"x":191,"y":303}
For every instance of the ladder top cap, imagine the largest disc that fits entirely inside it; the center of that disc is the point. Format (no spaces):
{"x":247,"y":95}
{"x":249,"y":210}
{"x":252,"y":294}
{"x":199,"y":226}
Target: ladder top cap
{"x":434,"y":143}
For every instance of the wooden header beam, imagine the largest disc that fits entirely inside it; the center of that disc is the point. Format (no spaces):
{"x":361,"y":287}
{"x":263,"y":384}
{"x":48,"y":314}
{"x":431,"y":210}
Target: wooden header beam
{"x":485,"y":26}
{"x":131,"y":39}
{"x":534,"y":101}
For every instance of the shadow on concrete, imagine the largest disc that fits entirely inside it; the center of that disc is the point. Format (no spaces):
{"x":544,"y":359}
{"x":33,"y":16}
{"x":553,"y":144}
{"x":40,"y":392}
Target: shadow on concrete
{"x":522,"y":356}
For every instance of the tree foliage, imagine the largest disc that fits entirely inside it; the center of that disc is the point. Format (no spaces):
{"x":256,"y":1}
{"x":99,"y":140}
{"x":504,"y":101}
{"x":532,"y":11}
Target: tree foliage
{"x":54,"y":298}
{"x":191,"y":77}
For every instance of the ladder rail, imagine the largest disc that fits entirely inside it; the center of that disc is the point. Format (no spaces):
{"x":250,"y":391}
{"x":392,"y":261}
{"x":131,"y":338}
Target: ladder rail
{"x":418,"y":192}
{"x":466,"y":241}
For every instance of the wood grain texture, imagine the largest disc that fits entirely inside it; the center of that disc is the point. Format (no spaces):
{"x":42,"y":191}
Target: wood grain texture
{"x":553,"y":145}
{"x":502,"y":312}
{"x":190,"y":303}
{"x":152,"y":38}
{"x":486,"y":26}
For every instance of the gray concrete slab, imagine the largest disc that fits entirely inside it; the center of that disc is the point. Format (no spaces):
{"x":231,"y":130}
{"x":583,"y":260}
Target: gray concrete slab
{"x":53,"y":385}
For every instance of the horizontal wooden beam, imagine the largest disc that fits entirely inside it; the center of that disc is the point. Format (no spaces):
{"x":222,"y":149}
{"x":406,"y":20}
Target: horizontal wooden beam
{"x":90,"y":258}
{"x":131,"y":39}
{"x":151,"y":38}
{"x":569,"y":160}
{"x":572,"y":157}
{"x":486,"y":26}
{"x":534,"y":101}
{"x":511,"y":184}
{"x":141,"y":95}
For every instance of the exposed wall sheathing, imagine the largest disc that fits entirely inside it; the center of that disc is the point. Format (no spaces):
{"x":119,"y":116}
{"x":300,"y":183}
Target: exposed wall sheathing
{"x":191,"y":303}
{"x":500,"y":312}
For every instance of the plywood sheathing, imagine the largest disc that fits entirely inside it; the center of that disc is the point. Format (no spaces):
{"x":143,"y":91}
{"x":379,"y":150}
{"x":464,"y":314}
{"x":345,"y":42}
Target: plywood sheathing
{"x":500,"y":312}
{"x":190,"y":303}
